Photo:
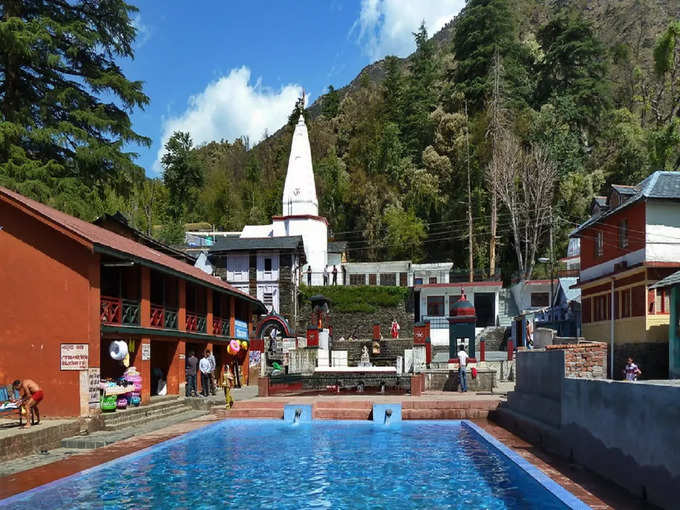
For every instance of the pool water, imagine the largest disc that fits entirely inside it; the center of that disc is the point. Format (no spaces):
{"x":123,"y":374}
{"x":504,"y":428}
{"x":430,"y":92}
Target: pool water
{"x":322,"y":464}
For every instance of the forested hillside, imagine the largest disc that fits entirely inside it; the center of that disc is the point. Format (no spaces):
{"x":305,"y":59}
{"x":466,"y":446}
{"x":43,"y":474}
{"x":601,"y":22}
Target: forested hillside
{"x":531,"y":106}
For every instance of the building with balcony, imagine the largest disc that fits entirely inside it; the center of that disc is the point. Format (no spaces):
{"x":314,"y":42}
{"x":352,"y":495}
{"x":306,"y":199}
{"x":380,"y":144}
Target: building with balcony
{"x":631,"y":241}
{"x":69,"y":286}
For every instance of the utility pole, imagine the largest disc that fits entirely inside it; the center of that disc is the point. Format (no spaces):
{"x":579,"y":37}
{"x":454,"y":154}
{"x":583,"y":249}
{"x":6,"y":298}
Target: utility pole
{"x":495,"y":127}
{"x":469,"y":190}
{"x":552,"y":263}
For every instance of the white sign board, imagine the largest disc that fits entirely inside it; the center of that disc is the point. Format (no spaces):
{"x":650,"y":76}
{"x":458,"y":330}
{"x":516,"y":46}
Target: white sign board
{"x":93,"y":379}
{"x":146,"y":352}
{"x":74,"y":356}
{"x":287,"y":345}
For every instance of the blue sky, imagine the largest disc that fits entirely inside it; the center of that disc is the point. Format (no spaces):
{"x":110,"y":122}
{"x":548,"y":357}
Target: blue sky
{"x":222,"y":69}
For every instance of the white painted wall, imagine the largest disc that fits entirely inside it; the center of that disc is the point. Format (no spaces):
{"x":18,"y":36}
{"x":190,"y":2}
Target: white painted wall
{"x":237,"y":267}
{"x":314,"y":234}
{"x":663,"y":231}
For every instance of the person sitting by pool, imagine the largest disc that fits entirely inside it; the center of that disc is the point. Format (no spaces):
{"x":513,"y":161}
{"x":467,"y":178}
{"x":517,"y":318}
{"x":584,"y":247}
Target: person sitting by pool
{"x":31,"y":395}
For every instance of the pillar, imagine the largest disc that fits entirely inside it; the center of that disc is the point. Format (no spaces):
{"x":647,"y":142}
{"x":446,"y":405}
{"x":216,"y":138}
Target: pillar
{"x":209,"y":311}
{"x":182,"y":305}
{"x":144,"y":368}
{"x":179,"y":366}
{"x":145,"y":303}
{"x":482,"y":350}
{"x":232,"y":316}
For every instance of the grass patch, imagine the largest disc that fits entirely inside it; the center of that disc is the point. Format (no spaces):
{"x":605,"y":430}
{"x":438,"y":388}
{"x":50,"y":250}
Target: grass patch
{"x":359,"y":299}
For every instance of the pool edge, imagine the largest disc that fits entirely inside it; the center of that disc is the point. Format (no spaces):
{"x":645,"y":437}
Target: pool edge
{"x":562,"y":494}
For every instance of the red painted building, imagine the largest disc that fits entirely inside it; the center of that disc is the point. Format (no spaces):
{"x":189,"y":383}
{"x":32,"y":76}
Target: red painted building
{"x":631,"y":241}
{"x":65,"y":282}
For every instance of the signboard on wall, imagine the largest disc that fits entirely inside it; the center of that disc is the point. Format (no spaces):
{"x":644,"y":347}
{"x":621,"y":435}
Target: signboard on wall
{"x":241,"y":330}
{"x":146,"y":352}
{"x":93,"y":379}
{"x":74,"y":356}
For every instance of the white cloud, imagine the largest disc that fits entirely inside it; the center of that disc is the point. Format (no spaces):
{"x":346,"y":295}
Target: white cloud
{"x":386,"y":26}
{"x":229,"y":108}
{"x":143,"y":31}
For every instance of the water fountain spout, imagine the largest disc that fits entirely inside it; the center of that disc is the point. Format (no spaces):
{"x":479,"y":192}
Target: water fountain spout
{"x":388,"y":416}
{"x":298,"y":413}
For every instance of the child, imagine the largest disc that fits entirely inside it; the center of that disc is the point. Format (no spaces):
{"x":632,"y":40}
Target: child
{"x":227,"y":384}
{"x":632,"y":371}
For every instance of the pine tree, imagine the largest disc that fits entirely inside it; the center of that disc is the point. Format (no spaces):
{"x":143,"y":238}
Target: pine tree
{"x":485,"y":28}
{"x":59,"y":137}
{"x":331,"y":103}
{"x":421,"y":95}
{"x":182,"y":175}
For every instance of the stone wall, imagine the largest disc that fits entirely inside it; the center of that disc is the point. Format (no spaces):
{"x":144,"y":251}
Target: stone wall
{"x":624,"y":431}
{"x":389,"y":350}
{"x":361,"y":324}
{"x":588,"y":360}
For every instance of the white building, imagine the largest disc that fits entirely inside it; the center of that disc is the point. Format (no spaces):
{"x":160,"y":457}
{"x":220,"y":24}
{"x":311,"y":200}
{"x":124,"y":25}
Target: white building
{"x":300,"y":208}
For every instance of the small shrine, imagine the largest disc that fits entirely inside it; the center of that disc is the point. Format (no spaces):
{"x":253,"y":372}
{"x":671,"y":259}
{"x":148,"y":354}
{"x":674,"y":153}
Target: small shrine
{"x":462,"y":322}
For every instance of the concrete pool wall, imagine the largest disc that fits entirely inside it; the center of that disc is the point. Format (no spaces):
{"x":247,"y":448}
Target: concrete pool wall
{"x":626,"y":432}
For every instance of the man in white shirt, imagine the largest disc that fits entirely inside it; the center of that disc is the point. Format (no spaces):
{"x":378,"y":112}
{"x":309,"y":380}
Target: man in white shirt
{"x":213,"y":366}
{"x":204,"y":367}
{"x":462,"y":367}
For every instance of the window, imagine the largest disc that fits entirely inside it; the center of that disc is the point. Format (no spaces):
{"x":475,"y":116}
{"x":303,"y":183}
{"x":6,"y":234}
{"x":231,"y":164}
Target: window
{"x":268,"y":300}
{"x":388,"y":279}
{"x":599,"y":244}
{"x":433,"y":279}
{"x":586,"y":312}
{"x":418,"y":281}
{"x":435,"y":306}
{"x":267,"y":265}
{"x":659,"y":302}
{"x":357,"y":279}
{"x":623,"y":234}
{"x":601,"y":308}
{"x":540,"y":299}
{"x":403,"y":279}
{"x":637,"y":301}
{"x":373,"y":279}
{"x":625,"y":303}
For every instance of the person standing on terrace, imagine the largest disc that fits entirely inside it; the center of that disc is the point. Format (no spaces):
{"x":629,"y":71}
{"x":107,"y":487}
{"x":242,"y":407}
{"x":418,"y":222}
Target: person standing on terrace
{"x":631,"y":371}
{"x":205,"y":368}
{"x":462,"y":367}
{"x":31,"y":395}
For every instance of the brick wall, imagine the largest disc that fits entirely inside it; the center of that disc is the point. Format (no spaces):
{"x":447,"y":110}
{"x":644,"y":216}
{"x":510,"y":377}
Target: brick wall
{"x":586,"y":360}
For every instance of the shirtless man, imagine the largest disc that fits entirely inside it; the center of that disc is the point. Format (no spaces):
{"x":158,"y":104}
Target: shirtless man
{"x":31,"y":395}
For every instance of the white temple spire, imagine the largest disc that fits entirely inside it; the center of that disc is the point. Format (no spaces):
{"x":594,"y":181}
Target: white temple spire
{"x":299,"y":192}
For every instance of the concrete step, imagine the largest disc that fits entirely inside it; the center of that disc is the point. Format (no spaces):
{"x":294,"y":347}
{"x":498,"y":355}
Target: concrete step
{"x":352,"y":413}
{"x":259,"y":404}
{"x":443,"y":414}
{"x":124,"y":421}
{"x":105,"y":437}
{"x":143,"y":409}
{"x":450,"y":404}
{"x":143,"y":413}
{"x":251,"y":413}
{"x":344,"y":404}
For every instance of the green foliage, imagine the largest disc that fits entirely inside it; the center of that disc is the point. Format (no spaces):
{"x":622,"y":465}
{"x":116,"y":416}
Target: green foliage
{"x":331,"y":103}
{"x":64,"y":102}
{"x":405,"y":234}
{"x":181,"y":175}
{"x":360,"y":299}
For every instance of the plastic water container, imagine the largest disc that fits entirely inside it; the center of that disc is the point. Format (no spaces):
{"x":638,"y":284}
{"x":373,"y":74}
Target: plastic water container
{"x":122,"y":403}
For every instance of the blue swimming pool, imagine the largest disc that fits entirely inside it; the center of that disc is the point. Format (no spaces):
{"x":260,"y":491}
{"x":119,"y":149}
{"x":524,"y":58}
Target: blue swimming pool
{"x":322,"y":464}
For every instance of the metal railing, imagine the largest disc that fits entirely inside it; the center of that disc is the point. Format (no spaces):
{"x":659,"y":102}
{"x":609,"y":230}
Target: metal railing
{"x":163,"y":317}
{"x":113,"y":310}
{"x":220,"y":326}
{"x":195,"y":322}
{"x":437,"y":322}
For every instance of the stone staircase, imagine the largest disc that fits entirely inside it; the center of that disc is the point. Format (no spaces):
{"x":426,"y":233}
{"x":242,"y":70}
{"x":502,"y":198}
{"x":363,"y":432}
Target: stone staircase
{"x":127,"y":423}
{"x":507,"y":309}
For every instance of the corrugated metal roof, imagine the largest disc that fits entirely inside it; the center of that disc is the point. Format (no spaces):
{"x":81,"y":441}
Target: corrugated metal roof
{"x":570,"y":294}
{"x":257,"y":243}
{"x":624,"y":190}
{"x":660,"y":184}
{"x":102,"y":238}
{"x":669,"y":281}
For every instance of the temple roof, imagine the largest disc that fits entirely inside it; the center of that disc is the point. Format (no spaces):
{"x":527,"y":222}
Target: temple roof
{"x":299,"y":192}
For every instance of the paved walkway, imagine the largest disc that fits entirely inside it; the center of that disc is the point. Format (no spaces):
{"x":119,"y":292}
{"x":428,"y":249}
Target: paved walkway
{"x":10,"y":428}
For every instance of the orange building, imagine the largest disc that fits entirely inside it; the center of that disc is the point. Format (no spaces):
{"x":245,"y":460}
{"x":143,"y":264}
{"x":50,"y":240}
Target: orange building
{"x":68,"y":288}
